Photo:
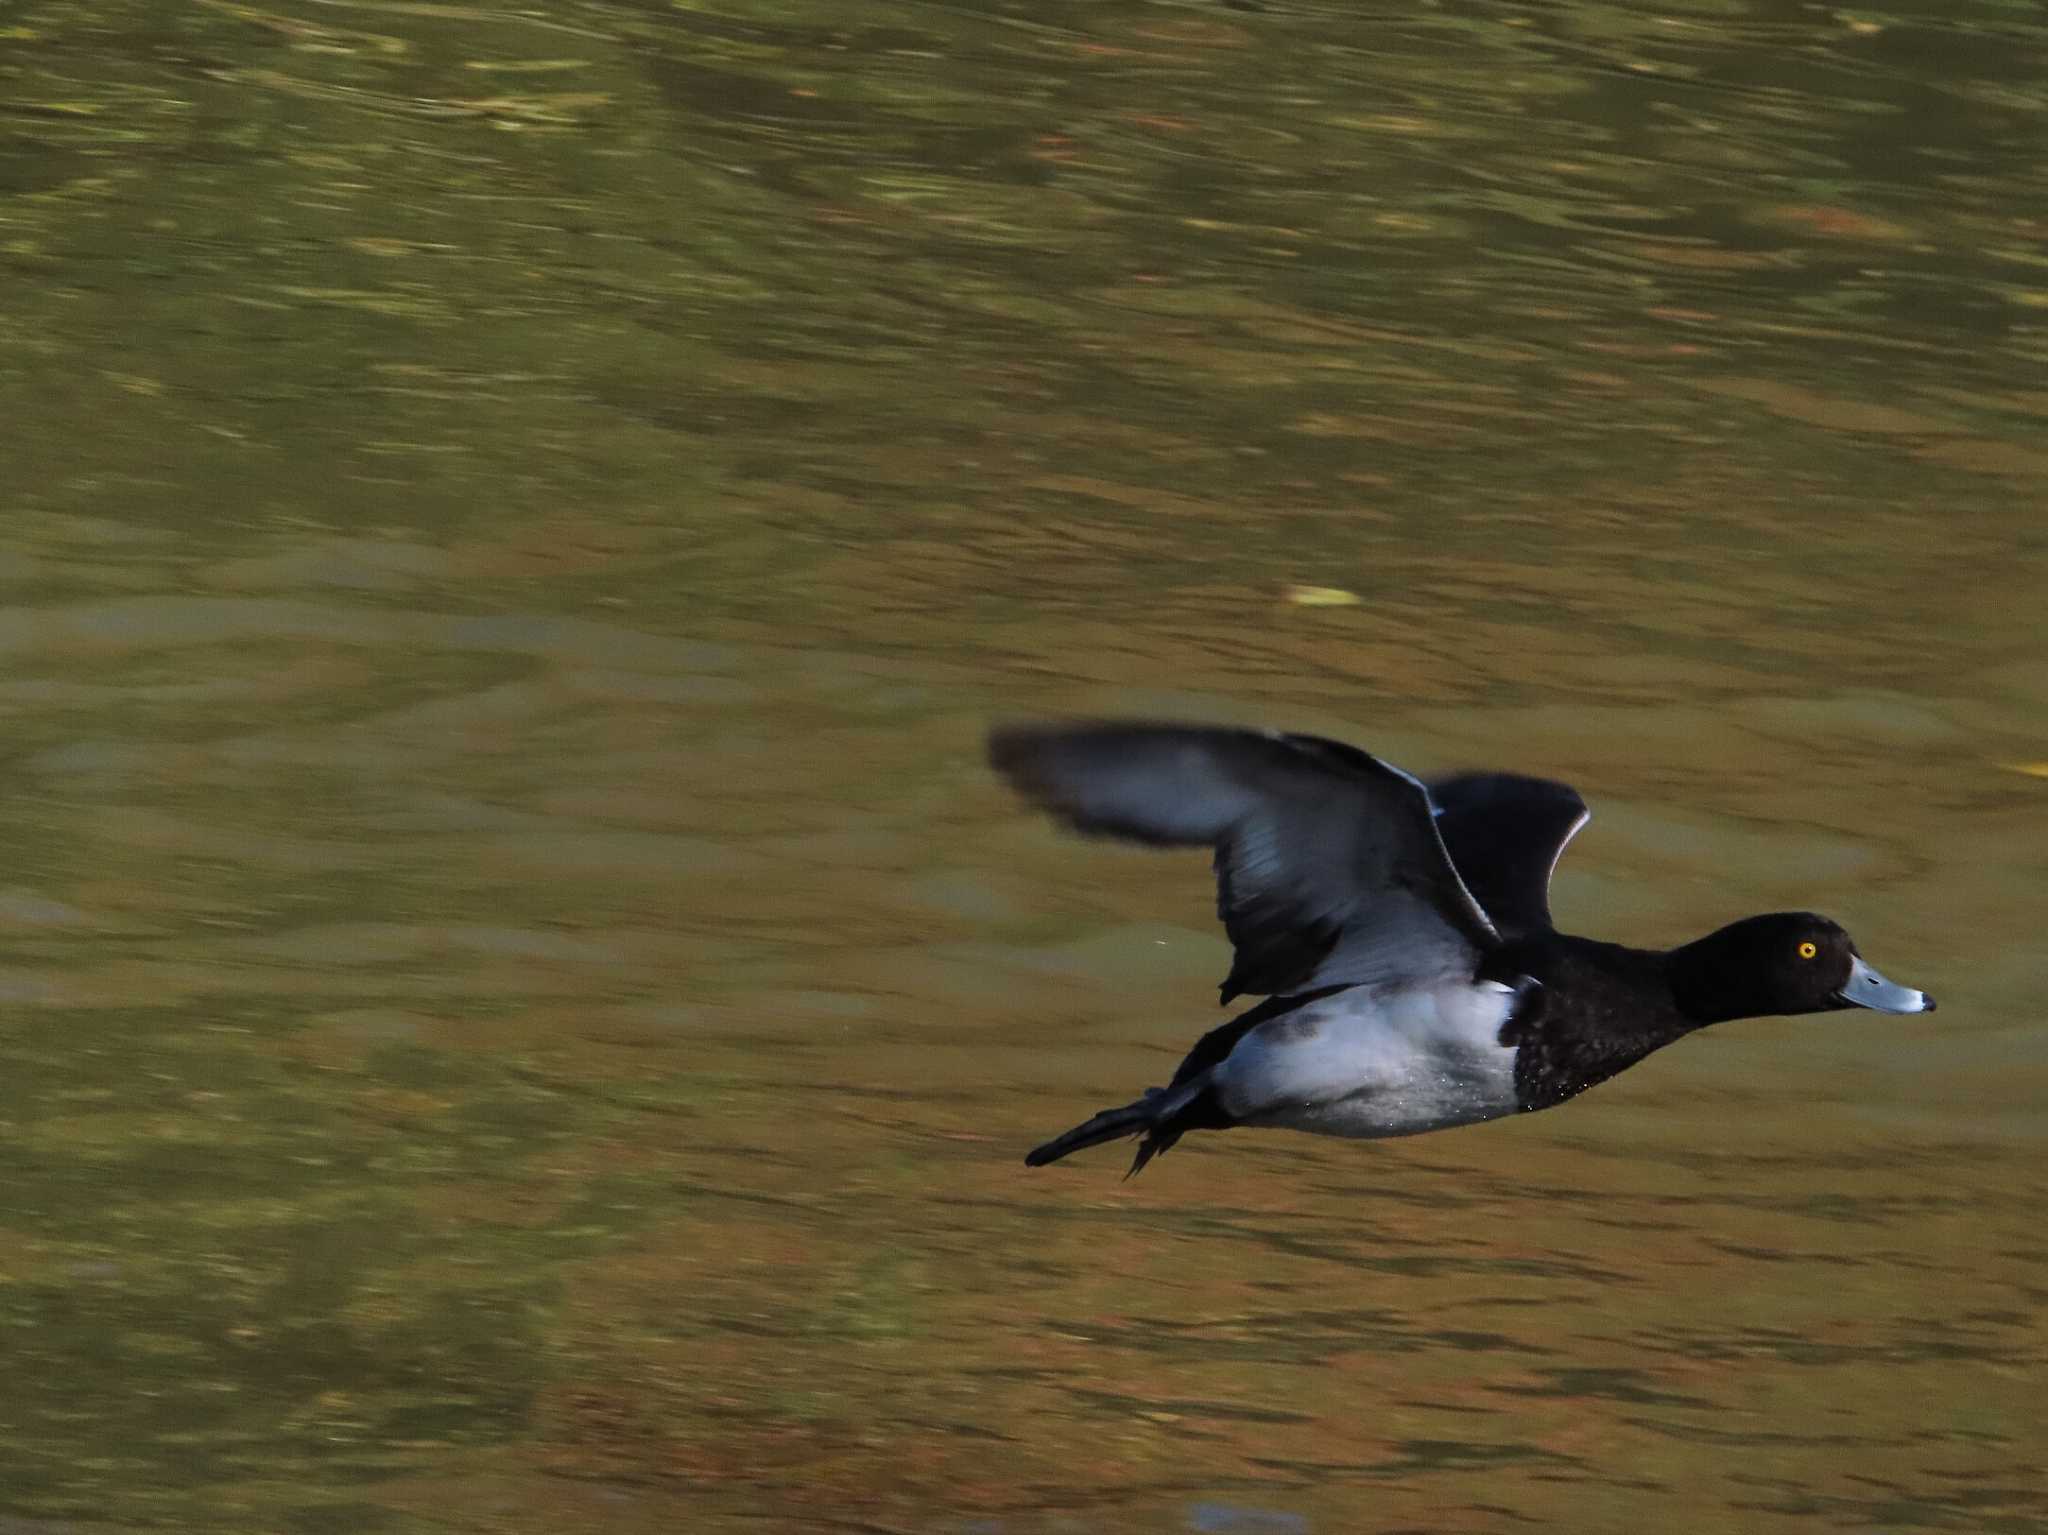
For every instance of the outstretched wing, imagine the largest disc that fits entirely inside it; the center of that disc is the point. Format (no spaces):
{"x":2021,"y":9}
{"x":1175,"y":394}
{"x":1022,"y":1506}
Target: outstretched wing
{"x":1505,"y":834}
{"x":1329,"y":869}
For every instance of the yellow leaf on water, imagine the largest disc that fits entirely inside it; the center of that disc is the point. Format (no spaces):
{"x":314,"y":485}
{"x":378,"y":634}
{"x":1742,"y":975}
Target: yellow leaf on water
{"x":1321,"y":597}
{"x":524,"y":66}
{"x":2031,"y":769}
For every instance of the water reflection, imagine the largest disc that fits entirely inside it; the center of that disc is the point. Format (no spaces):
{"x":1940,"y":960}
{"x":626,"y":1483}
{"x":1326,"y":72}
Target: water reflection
{"x":523,"y":1006}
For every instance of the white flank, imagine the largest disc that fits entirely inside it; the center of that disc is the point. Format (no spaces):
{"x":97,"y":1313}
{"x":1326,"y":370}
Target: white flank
{"x":1369,"y":1062}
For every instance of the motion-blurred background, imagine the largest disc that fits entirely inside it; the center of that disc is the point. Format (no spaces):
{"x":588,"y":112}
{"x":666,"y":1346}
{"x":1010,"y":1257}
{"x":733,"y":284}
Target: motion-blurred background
{"x":521,"y":1003}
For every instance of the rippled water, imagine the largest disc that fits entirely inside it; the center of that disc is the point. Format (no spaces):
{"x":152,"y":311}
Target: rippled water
{"x":522,"y":1003}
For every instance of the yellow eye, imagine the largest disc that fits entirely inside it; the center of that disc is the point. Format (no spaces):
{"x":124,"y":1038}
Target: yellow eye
{"x":1808,"y":949}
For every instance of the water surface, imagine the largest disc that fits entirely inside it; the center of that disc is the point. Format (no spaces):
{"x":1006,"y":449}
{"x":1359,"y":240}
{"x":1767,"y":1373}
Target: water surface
{"x":523,"y":1004}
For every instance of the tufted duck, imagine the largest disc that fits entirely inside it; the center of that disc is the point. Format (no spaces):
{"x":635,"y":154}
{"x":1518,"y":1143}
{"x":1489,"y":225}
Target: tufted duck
{"x":1401,"y":935}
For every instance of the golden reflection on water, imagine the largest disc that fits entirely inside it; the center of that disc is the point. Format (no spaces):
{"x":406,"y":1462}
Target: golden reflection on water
{"x":524,"y":1005}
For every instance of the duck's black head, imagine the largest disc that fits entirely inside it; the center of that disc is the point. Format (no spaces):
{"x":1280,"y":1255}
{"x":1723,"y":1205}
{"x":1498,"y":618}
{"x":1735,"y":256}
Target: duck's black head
{"x":1783,"y":963}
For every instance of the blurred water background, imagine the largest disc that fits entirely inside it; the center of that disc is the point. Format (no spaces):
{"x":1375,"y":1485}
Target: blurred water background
{"x":522,"y":1005}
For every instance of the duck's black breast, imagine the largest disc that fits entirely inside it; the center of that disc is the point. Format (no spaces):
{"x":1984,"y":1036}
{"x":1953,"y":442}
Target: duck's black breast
{"x":1602,"y":1008}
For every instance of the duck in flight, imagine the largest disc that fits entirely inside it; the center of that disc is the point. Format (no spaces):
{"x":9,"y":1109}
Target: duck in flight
{"x":1400,"y":934}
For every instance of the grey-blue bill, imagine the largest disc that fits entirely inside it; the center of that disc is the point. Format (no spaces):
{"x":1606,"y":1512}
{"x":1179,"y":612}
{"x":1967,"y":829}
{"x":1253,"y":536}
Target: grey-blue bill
{"x":1866,"y":988}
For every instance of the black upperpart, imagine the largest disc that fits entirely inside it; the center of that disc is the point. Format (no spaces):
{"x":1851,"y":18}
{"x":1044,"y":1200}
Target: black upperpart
{"x":1505,"y":832}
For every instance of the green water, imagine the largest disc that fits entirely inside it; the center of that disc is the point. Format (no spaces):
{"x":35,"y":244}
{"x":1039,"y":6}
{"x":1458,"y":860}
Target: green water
{"x":521,"y":1003}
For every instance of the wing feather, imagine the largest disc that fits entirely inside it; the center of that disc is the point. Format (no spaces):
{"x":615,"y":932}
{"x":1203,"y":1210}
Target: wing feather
{"x":1329,"y":866}
{"x":1505,"y":833}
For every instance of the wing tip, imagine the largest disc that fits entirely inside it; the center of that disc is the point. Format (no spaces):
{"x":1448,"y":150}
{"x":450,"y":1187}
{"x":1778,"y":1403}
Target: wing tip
{"x":1007,"y":742}
{"x":1021,"y":754}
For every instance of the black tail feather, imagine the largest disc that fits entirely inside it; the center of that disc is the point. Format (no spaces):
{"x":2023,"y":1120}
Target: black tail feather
{"x":1157,"y":1142}
{"x":1109,"y":1125}
{"x":1160,"y":1116}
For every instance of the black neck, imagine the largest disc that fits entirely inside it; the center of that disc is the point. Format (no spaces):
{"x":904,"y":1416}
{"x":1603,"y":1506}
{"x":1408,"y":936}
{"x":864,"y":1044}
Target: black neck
{"x":1706,"y":986}
{"x":1638,"y":991}
{"x":1617,"y":1005}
